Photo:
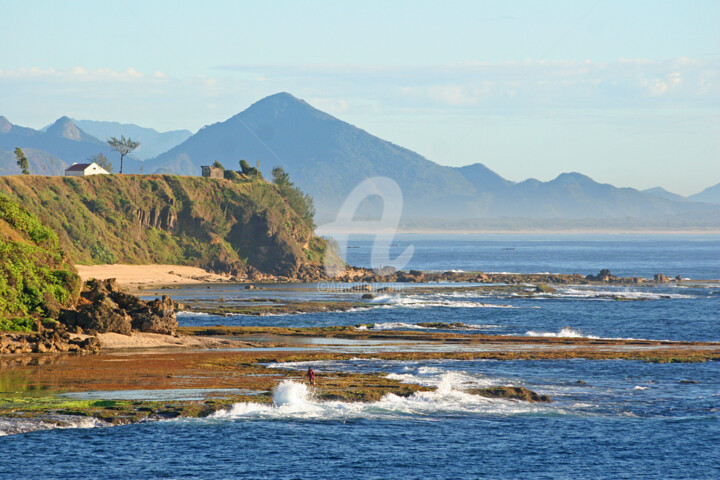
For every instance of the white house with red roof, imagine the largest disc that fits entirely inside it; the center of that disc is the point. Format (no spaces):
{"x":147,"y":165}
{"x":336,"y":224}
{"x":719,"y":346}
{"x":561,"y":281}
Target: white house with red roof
{"x":84,"y":169}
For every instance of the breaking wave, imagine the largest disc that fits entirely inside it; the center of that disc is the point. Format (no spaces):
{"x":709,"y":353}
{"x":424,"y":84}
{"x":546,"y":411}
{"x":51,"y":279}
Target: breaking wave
{"x":569,"y":332}
{"x":626,"y":294}
{"x":295,"y":400}
{"x":419,"y":301}
{"x":411,"y":326}
{"x":565,"y":332}
{"x":13,"y":426}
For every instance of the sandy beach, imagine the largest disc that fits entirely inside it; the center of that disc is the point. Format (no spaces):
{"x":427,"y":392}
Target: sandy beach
{"x":147,"y":275}
{"x":156,"y":340}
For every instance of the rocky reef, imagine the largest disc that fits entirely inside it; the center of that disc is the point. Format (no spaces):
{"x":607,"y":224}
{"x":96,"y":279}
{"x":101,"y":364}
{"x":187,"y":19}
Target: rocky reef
{"x":510,"y":393}
{"x":53,"y":339}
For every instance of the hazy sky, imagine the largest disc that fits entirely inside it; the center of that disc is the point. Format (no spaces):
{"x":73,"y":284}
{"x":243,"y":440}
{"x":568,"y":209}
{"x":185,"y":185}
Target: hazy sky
{"x":627,"y":92}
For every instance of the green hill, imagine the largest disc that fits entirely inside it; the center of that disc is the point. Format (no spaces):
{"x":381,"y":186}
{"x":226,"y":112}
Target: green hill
{"x":36,"y":277}
{"x":239,"y":226}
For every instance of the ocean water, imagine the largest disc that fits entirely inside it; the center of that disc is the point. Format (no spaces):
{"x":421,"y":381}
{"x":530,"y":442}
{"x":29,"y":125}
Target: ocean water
{"x":694,"y":256}
{"x":608,"y":419}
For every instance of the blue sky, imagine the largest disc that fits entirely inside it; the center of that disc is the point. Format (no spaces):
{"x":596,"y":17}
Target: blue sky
{"x":626,"y":92}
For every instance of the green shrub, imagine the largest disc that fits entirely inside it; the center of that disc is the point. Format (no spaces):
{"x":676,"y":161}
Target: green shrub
{"x":35,"y":275}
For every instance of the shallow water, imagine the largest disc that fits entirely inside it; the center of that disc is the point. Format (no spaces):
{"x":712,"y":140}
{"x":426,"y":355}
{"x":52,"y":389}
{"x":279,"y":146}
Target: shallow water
{"x":694,"y":256}
{"x":665,"y":313}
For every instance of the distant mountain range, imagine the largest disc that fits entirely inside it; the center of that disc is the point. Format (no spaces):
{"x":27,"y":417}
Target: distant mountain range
{"x":709,"y":195}
{"x":152,"y":142}
{"x":327,"y":158}
{"x":662,"y":193}
{"x":62,"y":143}
{"x":68,"y":141}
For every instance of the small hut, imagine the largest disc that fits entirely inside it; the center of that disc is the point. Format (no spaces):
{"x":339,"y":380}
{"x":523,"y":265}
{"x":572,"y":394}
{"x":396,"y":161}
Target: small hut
{"x":212,"y":172}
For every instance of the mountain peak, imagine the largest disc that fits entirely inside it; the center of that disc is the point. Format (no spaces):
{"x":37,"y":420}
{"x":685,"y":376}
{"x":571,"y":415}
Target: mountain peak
{"x":5,"y":125}
{"x":662,"y":193}
{"x":709,"y":195}
{"x":65,"y":128}
{"x":573,"y":177}
{"x":285,"y":105}
{"x":480,"y":176}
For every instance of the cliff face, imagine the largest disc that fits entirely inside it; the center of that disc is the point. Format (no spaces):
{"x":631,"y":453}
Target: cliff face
{"x":234,"y":226}
{"x":36,"y":277}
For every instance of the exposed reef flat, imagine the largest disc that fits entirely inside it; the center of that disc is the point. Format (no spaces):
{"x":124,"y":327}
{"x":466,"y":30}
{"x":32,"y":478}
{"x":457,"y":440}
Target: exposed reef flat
{"x":51,"y":386}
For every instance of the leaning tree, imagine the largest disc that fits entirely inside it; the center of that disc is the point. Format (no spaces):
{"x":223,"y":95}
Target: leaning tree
{"x":123,"y":146}
{"x":22,"y":161}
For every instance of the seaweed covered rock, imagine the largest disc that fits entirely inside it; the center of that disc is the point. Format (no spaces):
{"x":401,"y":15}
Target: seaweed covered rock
{"x":510,"y":393}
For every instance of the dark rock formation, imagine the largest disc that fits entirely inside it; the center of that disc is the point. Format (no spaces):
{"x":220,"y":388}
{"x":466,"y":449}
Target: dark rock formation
{"x":51,"y":339}
{"x":104,"y":307}
{"x":603,"y":276}
{"x":660,"y":278}
{"x":510,"y":393}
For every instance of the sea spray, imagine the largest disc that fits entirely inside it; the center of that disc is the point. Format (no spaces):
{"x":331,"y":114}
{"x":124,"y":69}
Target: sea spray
{"x":290,"y":393}
{"x":565,"y":332}
{"x":295,"y":400}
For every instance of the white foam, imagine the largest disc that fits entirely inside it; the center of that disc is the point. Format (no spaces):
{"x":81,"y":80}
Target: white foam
{"x":12,"y":426}
{"x":569,"y":332}
{"x":290,"y":393}
{"x":397,"y":325}
{"x":565,"y":332}
{"x":292,"y":401}
{"x":627,"y":293}
{"x":426,"y":301}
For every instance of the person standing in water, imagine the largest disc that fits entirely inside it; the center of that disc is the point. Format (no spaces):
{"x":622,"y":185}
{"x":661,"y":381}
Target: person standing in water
{"x":311,"y":376}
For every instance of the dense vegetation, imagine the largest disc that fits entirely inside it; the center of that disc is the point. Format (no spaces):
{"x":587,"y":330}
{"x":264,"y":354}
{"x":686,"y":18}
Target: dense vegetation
{"x":224,"y":225}
{"x":36,"y":277}
{"x":299,"y":201}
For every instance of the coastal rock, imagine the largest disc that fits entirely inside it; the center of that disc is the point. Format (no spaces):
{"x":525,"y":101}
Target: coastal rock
{"x":102,"y":316}
{"x":54,"y":338}
{"x":660,"y":278}
{"x":103,"y":307}
{"x":157,"y":316}
{"x":543,"y":288}
{"x":510,"y":393}
{"x":385,"y":290}
{"x":603,"y":276}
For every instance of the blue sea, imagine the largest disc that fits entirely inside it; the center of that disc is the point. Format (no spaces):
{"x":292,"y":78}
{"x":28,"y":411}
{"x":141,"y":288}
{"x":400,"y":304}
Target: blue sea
{"x":608,"y":419}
